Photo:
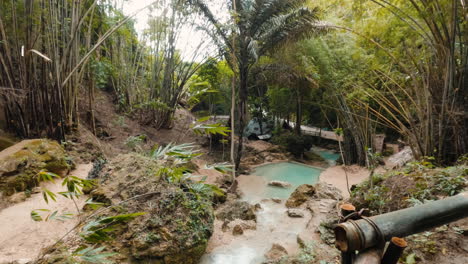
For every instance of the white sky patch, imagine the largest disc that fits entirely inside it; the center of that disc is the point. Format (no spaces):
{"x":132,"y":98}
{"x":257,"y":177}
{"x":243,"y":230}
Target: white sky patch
{"x":189,"y":39}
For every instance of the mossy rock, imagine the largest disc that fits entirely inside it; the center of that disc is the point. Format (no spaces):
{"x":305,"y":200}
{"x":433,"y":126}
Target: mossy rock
{"x":176,"y":225}
{"x":302,"y":193}
{"x":20,"y":163}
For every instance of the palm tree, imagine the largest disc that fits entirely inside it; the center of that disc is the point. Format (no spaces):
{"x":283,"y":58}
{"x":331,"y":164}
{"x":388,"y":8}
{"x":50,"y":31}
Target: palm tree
{"x":259,"y":27}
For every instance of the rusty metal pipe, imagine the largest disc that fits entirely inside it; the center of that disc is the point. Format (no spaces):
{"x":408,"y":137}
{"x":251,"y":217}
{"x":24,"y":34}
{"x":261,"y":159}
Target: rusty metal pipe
{"x":367,"y":233}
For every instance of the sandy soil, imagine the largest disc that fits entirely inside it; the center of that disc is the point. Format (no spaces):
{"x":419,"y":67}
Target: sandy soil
{"x":212,"y":175}
{"x":22,"y":238}
{"x":337,"y":177}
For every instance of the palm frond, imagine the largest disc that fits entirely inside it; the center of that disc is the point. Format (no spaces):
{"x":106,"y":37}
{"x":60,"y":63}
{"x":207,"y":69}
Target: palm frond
{"x":263,"y":10}
{"x":182,"y":151}
{"x":294,"y":26}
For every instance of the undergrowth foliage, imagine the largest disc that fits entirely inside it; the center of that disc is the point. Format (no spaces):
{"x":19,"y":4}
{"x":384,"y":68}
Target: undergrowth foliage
{"x":416,"y":183}
{"x":95,"y":231}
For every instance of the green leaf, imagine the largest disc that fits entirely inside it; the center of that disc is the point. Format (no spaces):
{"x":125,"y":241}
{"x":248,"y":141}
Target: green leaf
{"x":99,"y":231}
{"x":93,"y":205}
{"x":221,"y":167}
{"x":93,"y":255}
{"x":35,"y":216}
{"x":203,"y":119}
{"x":211,"y":129}
{"x":45,"y":176}
{"x":48,"y":194}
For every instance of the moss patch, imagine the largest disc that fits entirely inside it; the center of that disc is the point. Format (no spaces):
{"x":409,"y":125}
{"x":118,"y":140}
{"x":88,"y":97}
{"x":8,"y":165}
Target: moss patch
{"x":20,"y":164}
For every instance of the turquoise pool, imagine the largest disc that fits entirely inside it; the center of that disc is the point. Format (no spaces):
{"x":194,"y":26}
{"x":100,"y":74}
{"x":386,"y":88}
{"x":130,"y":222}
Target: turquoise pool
{"x":293,"y":173}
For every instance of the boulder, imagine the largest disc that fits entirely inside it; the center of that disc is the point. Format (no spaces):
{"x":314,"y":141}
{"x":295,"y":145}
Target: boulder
{"x":236,"y":210}
{"x":276,"y":200}
{"x":238,"y":224}
{"x":300,"y":195}
{"x":237,"y":230}
{"x":327,"y":191}
{"x":276,"y":252}
{"x":280,"y":184}
{"x":301,"y":241}
{"x":20,"y":164}
{"x":296,"y":213}
{"x":176,"y":225}
{"x":401,"y":158}
{"x":257,"y":207}
{"x":18,"y":197}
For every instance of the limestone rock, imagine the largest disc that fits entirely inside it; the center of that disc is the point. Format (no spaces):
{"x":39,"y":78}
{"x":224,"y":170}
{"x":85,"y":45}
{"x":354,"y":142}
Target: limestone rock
{"x":20,"y":163}
{"x":280,"y":184}
{"x":327,"y":191}
{"x":236,"y":210}
{"x":401,"y":158}
{"x":258,"y":207}
{"x":300,"y":195}
{"x":276,"y":252}
{"x":225,"y":226}
{"x":18,"y":197}
{"x":301,"y":241}
{"x":237,"y":230}
{"x":176,"y":226}
{"x":238,"y":224}
{"x":276,"y":200}
{"x":296,"y":213}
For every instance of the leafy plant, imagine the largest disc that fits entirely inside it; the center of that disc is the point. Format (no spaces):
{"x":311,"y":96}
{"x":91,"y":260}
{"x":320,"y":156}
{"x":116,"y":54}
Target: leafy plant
{"x":183,"y":152}
{"x":74,"y":187}
{"x":92,"y":255}
{"x":100,"y":230}
{"x":35,"y":215}
{"x":134,"y":142}
{"x":294,"y":143}
{"x":209,"y":129}
{"x":220,"y":167}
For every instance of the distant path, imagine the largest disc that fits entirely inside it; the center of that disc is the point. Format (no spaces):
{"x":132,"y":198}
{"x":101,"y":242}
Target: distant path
{"x":307,"y":130}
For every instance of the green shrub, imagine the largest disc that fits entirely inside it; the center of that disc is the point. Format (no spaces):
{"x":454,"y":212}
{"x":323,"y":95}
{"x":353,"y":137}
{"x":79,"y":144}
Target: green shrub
{"x":293,"y":143}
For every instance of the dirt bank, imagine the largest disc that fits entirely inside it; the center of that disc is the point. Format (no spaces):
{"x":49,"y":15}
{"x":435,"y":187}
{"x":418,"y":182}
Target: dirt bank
{"x":22,"y":238}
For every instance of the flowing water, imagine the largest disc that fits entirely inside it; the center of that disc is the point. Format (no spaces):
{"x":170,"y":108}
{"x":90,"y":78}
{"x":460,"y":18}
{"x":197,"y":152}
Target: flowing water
{"x":292,"y":173}
{"x":273,"y":223}
{"x":328,"y":155}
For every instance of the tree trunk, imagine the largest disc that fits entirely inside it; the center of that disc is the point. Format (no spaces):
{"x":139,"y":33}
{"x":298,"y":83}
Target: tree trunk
{"x":297,"y":128}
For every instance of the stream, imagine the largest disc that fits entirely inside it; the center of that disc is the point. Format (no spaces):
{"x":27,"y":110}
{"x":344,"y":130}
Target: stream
{"x":273,"y":223}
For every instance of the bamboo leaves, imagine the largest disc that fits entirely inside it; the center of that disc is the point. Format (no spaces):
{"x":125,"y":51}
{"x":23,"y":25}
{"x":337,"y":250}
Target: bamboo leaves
{"x":51,"y":215}
{"x":100,"y":230}
{"x":93,"y":255}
